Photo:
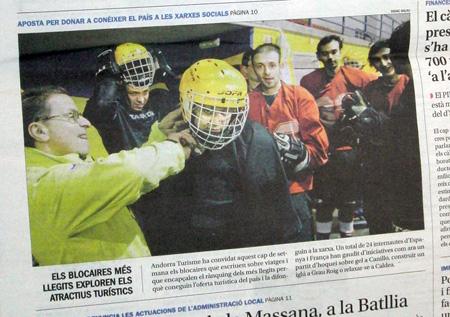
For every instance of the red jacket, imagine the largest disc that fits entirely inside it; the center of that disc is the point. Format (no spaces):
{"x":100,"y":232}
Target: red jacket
{"x":383,"y":98}
{"x":294,"y":110}
{"x":347,"y":79}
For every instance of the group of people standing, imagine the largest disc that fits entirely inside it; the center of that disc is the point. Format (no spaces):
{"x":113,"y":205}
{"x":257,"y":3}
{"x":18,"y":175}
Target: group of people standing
{"x":228,"y":165}
{"x":370,"y":121}
{"x":374,"y":158}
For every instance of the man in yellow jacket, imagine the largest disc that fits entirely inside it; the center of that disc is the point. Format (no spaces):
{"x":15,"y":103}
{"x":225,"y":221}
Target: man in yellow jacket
{"x":78,"y":207}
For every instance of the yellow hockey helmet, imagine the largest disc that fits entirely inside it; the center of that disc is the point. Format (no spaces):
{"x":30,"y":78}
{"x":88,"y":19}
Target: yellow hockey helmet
{"x":136,"y":65}
{"x":213,"y":97}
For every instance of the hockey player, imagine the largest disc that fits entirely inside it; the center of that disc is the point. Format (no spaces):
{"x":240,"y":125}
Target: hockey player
{"x":337,"y":182}
{"x":122,"y":107}
{"x":235,"y":194}
{"x":291,"y":114}
{"x":384,"y":93}
{"x":392,"y":172}
{"x":333,"y":79}
{"x":404,"y":169}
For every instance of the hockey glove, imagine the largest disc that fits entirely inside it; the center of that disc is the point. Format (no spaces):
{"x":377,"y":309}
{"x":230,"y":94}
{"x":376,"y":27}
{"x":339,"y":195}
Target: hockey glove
{"x":163,"y":64}
{"x":293,"y":154}
{"x":106,"y":65}
{"x":353,"y":104}
{"x":370,"y":126}
{"x":360,"y":117}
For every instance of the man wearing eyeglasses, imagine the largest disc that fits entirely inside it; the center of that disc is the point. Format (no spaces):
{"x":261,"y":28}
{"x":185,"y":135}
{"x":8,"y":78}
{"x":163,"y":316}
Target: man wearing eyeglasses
{"x":78,"y":207}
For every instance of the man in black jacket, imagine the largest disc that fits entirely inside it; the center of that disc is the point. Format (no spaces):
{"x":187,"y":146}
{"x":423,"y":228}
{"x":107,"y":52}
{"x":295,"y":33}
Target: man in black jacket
{"x":233,"y":195}
{"x":404,"y":170}
{"x":389,"y":141}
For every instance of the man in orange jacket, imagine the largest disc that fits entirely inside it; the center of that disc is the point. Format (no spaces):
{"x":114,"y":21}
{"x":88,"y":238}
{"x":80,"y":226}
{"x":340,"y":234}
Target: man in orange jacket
{"x":337,"y":182}
{"x":291,"y":114}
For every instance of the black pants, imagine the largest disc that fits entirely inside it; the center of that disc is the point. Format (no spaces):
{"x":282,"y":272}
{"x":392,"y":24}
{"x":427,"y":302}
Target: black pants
{"x":337,"y":186}
{"x":302,"y":205}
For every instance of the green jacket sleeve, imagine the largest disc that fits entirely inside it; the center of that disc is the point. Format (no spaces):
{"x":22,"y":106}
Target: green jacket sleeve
{"x":73,"y":196}
{"x":156,"y":135}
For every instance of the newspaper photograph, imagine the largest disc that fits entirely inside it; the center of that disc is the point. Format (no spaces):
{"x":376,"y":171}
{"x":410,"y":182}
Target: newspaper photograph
{"x":259,"y":158}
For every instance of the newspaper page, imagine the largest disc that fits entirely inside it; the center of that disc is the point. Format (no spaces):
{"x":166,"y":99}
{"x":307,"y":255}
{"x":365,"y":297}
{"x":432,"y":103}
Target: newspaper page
{"x":311,"y":178}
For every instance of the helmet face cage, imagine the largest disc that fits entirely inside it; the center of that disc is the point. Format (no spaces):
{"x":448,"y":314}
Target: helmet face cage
{"x":214,"y":126}
{"x":140,"y":72}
